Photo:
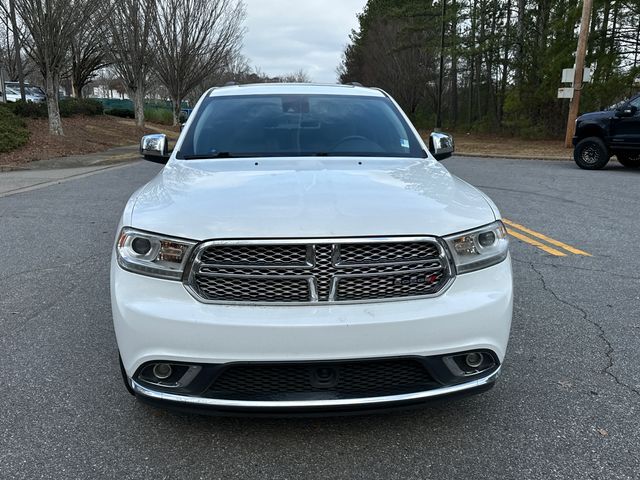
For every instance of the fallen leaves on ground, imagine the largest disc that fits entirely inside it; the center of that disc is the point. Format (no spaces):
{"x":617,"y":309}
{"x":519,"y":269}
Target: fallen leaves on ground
{"x":82,"y":135}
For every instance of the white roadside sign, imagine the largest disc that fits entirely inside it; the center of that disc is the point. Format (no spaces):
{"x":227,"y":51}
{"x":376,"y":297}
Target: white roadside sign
{"x":569,"y":73}
{"x":565,"y":92}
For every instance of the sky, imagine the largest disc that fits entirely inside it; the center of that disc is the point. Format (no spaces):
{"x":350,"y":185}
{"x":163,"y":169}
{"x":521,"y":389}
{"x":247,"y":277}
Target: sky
{"x":284,"y":36}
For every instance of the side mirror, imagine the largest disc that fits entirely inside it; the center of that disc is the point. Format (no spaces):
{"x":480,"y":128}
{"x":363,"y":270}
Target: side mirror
{"x":441,"y":145}
{"x":155,"y":148}
{"x":627,"y":111}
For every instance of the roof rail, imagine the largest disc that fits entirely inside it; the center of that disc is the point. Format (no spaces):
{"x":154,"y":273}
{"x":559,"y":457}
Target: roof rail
{"x":228,"y":84}
{"x":355,"y":84}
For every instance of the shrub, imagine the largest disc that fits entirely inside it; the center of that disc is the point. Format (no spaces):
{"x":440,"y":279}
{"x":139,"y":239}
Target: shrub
{"x":80,"y":106}
{"x":68,"y":107}
{"x":120,"y":112}
{"x":13,"y":130}
{"x":28,"y":109}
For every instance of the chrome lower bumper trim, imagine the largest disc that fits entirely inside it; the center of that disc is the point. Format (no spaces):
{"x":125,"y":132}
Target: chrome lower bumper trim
{"x":294,"y":404}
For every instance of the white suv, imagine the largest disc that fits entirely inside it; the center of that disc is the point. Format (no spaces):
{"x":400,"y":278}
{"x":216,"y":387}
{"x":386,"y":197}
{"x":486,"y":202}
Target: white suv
{"x":302,"y":251}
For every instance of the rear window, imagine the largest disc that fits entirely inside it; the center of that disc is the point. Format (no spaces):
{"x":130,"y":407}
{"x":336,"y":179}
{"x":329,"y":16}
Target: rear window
{"x":298,"y":125}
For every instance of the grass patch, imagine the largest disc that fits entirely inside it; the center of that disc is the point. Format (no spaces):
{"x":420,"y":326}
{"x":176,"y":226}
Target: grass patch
{"x":158,"y":115}
{"x":13,"y":130}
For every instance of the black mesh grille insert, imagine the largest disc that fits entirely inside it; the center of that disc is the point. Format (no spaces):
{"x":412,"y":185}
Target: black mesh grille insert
{"x":386,"y":252}
{"x":255,"y":289}
{"x":322,"y":380}
{"x":273,"y":255}
{"x":365,"y":288}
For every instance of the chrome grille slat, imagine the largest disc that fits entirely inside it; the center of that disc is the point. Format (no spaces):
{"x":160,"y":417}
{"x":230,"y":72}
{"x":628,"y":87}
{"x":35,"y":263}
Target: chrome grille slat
{"x":318,"y":270}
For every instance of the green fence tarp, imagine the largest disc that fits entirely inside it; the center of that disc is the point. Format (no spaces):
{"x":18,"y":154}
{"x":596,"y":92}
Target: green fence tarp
{"x":114,"y":103}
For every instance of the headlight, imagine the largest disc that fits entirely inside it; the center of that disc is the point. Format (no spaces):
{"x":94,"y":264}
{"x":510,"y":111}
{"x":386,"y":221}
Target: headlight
{"x":152,"y":254}
{"x":479,"y":248}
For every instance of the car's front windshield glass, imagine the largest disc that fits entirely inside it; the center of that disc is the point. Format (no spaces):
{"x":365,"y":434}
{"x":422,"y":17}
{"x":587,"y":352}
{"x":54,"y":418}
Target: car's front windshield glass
{"x":627,"y":101}
{"x":298,"y":125}
{"x":34,"y":90}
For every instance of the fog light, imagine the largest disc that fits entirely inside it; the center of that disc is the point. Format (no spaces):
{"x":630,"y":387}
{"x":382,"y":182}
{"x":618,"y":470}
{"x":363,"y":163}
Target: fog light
{"x":162,"y":371}
{"x":474,"y":360}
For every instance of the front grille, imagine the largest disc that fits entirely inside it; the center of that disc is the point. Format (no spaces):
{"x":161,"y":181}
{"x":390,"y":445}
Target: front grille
{"x":321,"y":380}
{"x":318,"y":271}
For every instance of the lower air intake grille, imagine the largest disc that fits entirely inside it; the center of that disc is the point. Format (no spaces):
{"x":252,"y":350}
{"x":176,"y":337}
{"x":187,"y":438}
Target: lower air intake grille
{"x":321,"y":380}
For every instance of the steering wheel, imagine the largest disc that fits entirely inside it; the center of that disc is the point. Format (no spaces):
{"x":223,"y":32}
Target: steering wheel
{"x":351,"y":138}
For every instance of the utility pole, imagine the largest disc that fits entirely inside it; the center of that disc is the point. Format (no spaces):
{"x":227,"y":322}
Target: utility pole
{"x":441,"y":79}
{"x":578,"y":76}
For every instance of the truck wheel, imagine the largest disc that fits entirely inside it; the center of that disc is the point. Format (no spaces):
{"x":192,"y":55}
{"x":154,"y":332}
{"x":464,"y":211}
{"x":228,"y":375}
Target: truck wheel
{"x":591,"y":154}
{"x":629,"y":160}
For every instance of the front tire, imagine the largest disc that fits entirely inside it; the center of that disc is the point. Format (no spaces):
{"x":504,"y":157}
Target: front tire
{"x":629,"y":160}
{"x":591,"y":154}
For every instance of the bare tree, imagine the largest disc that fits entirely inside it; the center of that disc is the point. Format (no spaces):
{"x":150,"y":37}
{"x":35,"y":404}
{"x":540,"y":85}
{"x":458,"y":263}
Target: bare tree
{"x":130,"y":50}
{"x":299,"y":76}
{"x":390,"y":60}
{"x":88,"y":53}
{"x":52,"y":24}
{"x":194,"y":38}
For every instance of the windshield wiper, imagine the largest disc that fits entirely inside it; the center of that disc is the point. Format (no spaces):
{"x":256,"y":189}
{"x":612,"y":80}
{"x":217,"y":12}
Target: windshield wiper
{"x":204,"y":156}
{"x":361,"y":154}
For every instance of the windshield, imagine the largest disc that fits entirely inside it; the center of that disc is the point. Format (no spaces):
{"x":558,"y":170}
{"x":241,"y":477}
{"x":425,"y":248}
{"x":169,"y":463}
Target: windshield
{"x":37,"y":91}
{"x":632,"y":101}
{"x":298,"y":125}
{"x":14,"y":88}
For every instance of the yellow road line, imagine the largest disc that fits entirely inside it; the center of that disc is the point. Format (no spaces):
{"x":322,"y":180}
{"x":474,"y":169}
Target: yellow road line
{"x":550,"y":240}
{"x":535,"y":243}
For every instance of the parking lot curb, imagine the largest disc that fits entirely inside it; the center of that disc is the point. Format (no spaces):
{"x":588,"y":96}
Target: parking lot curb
{"x":513,"y":157}
{"x":112,"y":156}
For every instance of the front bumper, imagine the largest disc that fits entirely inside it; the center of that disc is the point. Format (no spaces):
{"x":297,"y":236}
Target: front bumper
{"x":158,"y":320}
{"x":368,"y":404}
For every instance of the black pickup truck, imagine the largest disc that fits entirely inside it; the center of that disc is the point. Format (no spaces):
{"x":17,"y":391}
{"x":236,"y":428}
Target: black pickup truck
{"x":600,"y":135}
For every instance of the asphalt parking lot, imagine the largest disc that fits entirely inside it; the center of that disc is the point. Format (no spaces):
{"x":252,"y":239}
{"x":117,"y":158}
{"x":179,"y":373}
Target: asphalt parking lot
{"x":566,"y":405}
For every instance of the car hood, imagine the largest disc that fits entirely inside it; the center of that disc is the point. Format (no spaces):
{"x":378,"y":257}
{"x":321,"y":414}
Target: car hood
{"x":307,"y":197}
{"x":593,"y":116}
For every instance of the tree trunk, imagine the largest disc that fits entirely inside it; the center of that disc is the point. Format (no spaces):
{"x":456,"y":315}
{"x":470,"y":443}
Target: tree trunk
{"x":443,"y":34}
{"x":176,"y":110}
{"x":505,"y":65}
{"x":454,"y":65}
{"x":77,"y":90}
{"x":472,"y":60}
{"x":520,"y":51}
{"x":138,"y":104}
{"x":53,"y":109}
{"x":18,"y":48}
{"x":490,"y":55}
{"x":637,"y":47}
